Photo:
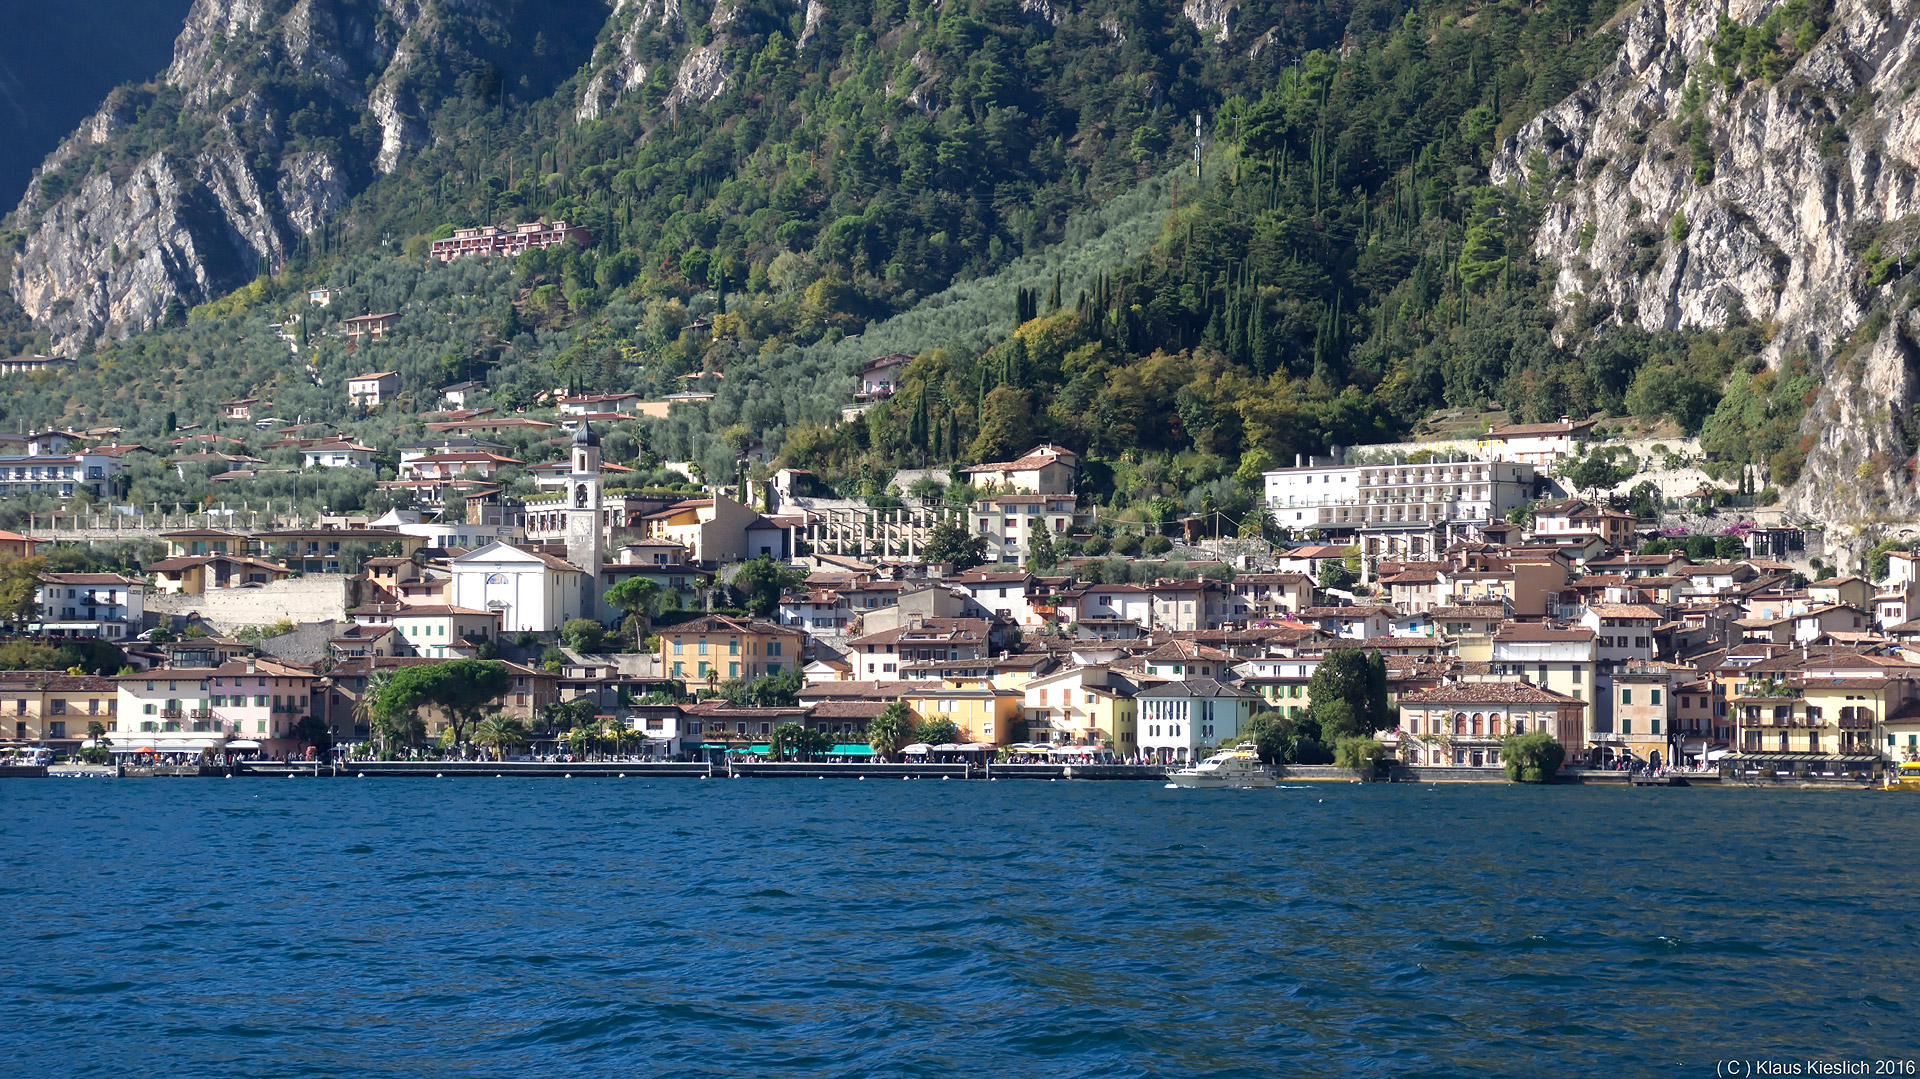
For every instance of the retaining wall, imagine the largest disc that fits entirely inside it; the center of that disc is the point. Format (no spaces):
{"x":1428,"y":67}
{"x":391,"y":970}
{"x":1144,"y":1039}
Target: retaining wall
{"x":316,"y":598}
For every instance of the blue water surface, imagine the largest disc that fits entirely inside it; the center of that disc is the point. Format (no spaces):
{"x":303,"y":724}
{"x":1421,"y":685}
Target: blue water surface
{"x":496,"y":927}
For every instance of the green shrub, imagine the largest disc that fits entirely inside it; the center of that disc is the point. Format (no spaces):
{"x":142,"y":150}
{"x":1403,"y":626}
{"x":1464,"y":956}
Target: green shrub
{"x":1359,"y":754}
{"x":1532,"y":757}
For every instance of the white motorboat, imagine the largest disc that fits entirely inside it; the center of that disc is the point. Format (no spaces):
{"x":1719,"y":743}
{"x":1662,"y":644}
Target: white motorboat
{"x":1233,"y":770}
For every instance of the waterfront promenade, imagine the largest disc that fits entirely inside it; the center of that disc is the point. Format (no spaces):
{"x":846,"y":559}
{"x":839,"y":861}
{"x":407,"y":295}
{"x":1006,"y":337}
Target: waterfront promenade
{"x":862,"y":770}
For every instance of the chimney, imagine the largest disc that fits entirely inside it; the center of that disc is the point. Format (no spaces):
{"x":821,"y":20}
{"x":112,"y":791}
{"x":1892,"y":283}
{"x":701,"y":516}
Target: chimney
{"x":249,"y":664}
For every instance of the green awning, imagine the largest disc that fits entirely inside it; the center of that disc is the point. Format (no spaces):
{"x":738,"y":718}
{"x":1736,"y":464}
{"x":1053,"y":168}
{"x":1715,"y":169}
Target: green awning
{"x":853,"y":751}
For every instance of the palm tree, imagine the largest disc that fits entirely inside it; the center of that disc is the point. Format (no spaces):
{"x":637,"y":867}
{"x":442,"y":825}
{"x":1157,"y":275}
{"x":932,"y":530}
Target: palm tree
{"x":403,"y":729}
{"x":501,"y":734}
{"x":97,"y":752}
{"x":367,"y":708}
{"x":890,"y":730}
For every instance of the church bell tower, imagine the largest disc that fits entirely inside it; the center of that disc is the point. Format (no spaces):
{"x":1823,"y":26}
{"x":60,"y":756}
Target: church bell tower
{"x":585,"y":531}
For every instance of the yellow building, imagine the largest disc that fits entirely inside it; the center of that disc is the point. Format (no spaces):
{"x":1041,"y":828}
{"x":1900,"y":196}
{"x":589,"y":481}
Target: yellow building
{"x":52,"y":708}
{"x":983,"y":715}
{"x":720,"y":649}
{"x":1818,"y":722}
{"x":1081,"y":705}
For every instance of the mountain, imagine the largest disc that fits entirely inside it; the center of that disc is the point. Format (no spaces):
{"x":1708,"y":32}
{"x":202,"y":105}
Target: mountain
{"x":274,"y":117}
{"x":269,"y":118}
{"x":1754,"y":165}
{"x":765,"y":181}
{"x":1693,"y":218}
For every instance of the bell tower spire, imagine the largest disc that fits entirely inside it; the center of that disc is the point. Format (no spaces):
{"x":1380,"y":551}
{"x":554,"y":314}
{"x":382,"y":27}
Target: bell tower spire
{"x":586,"y":533}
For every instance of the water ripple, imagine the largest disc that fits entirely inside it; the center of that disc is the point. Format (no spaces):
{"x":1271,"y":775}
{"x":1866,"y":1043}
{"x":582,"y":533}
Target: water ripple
{"x":1007,"y":929}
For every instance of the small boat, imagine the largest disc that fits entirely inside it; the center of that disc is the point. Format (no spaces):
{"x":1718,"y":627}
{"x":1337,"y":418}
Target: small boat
{"x":1906,"y":779}
{"x":1233,"y":770}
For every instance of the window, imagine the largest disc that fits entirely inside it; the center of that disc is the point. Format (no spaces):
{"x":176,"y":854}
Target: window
{"x":1626,"y":696}
{"x":59,"y":706}
{"x":1656,"y":700}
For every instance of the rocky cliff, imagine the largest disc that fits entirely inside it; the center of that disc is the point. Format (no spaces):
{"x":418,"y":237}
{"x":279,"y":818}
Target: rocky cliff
{"x":268,"y":120}
{"x":1751,"y":158}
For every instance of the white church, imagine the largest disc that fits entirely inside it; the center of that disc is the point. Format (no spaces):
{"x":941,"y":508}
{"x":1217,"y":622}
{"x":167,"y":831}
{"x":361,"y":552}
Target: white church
{"x":538,"y":593}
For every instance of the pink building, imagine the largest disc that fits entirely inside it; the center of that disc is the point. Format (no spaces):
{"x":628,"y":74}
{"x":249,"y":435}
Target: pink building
{"x":261,"y":700}
{"x":490,"y":240}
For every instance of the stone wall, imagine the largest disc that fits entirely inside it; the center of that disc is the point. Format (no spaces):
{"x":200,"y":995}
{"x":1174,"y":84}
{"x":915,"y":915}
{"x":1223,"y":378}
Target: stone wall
{"x":314,"y":598}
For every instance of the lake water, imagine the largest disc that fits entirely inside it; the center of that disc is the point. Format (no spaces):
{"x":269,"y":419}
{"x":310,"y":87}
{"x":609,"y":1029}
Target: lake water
{"x":477,"y":927}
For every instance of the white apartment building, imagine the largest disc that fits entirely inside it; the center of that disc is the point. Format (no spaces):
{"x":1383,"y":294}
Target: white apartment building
{"x":1183,"y":721}
{"x":1001,"y":593}
{"x":338,"y":455}
{"x":59,"y":475}
{"x":1403,"y":510}
{"x":103,"y":605}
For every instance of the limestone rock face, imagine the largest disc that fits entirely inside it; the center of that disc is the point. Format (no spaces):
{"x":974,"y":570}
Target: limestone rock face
{"x":632,"y":22}
{"x":127,"y":216}
{"x":817,"y":13}
{"x":702,"y":77}
{"x":1213,"y":16}
{"x":1796,"y":209}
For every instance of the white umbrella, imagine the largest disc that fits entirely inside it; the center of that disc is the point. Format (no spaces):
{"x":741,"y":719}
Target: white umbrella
{"x":917,"y":747}
{"x":949,"y":747}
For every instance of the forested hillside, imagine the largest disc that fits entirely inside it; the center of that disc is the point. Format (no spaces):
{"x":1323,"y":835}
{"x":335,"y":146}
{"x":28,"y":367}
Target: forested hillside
{"x":778,"y":194}
{"x":1353,"y":270}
